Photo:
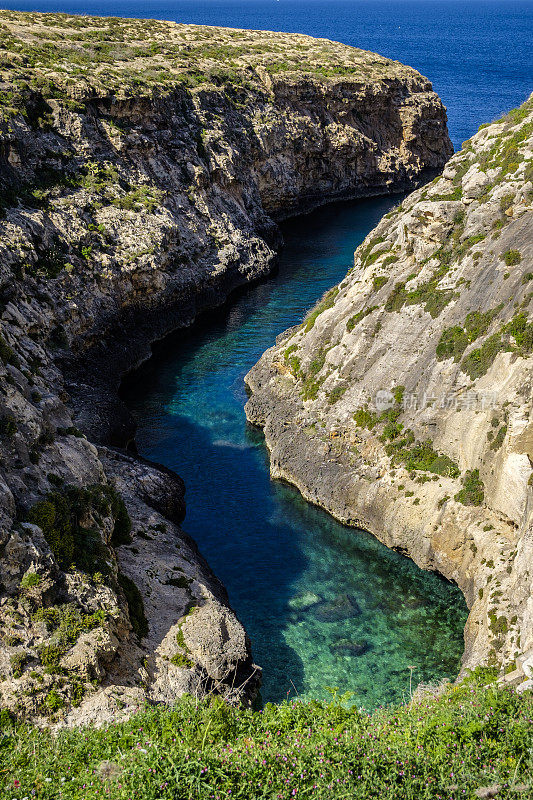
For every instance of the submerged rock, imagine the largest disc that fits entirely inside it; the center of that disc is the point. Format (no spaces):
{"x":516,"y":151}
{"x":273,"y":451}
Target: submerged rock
{"x":349,"y":647}
{"x":344,"y":606}
{"x":304,"y":601}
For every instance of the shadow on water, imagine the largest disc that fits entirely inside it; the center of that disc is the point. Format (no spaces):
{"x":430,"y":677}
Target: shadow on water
{"x":324,"y":605}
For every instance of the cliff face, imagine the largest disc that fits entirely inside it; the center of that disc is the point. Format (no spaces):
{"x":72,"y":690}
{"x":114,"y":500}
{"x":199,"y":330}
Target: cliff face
{"x":403,"y":402}
{"x":142,"y":166}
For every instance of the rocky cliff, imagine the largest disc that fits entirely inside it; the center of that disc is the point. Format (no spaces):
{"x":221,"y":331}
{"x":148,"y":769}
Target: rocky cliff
{"x":403,"y":403}
{"x":142,"y":167}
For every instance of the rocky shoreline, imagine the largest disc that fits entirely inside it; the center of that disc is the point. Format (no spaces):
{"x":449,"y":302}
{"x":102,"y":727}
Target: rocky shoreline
{"x":402,"y":404}
{"x":143,"y":166}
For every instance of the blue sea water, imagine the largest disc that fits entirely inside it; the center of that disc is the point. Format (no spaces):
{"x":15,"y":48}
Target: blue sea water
{"x":324,"y":605}
{"x":477,"y":53}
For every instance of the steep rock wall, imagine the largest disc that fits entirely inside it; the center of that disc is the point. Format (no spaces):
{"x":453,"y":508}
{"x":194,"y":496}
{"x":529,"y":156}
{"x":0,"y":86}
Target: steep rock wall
{"x":403,"y":402}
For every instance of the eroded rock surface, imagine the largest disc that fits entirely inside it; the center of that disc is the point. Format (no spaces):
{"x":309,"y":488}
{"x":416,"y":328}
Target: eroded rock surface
{"x":142,"y":167}
{"x":403,"y":403}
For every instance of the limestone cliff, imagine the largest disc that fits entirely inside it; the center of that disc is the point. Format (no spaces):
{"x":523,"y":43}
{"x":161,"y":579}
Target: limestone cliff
{"x":403,"y":403}
{"x":142,"y":167}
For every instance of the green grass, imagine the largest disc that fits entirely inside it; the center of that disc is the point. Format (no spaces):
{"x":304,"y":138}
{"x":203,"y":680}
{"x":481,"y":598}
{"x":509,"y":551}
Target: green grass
{"x":471,"y":737}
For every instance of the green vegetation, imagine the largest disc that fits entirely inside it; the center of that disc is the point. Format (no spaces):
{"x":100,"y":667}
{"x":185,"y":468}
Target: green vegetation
{"x":404,"y":449}
{"x":311,"y":383}
{"x":400,"y":442}
{"x":473,"y":491}
{"x":365,"y":418}
{"x":323,"y":305}
{"x":292,"y":361}
{"x":379,"y":281}
{"x":336,"y":394}
{"x":181,"y":660}
{"x":512,"y":257}
{"x":143,"y":197}
{"x":515,"y":337}
{"x":135,"y":603}
{"x":367,"y":249}
{"x":454,"y":341}
{"x":65,"y":623}
{"x":433,"y":299}
{"x":352,"y":322}
{"x":8,"y":425}
{"x":17,"y":662}
{"x":498,"y":440}
{"x":69,"y":519}
{"x":471,"y":736}
{"x":49,"y":56}
{"x":7,"y":354}
{"x":30,"y":580}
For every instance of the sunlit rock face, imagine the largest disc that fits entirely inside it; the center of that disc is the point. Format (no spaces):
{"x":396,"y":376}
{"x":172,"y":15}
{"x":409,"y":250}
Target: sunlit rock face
{"x":403,"y":402}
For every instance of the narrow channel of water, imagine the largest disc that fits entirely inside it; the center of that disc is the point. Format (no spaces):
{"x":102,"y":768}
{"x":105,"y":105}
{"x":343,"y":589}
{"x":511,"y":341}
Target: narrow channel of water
{"x":324,"y":605}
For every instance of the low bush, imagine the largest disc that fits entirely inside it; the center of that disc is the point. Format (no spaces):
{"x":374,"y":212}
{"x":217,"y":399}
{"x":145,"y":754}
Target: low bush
{"x":135,"y":603}
{"x":473,"y":491}
{"x":66,"y":518}
{"x":512,"y":257}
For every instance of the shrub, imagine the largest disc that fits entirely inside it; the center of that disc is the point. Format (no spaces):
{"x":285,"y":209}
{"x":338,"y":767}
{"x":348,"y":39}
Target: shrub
{"x":365,"y":419}
{"x":63,"y":516}
{"x":512,"y":257}
{"x":379,"y":281}
{"x":53,"y":702}
{"x":478,"y":361}
{"x":336,"y":394}
{"x":8,"y":425}
{"x":7,"y":354}
{"x":54,"y":517}
{"x":452,"y":343}
{"x":65,"y":623}
{"x":135,"y":603}
{"x":473,"y":491}
{"x":17,"y":661}
{"x":352,"y":322}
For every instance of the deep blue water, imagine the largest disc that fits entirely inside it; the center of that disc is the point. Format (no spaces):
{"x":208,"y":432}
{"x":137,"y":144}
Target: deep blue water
{"x":295,"y":576}
{"x":477,"y":53}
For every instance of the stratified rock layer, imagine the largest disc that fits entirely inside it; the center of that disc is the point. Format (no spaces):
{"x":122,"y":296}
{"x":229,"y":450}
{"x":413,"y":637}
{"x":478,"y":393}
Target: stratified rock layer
{"x":142,"y":166}
{"x":403,"y":402}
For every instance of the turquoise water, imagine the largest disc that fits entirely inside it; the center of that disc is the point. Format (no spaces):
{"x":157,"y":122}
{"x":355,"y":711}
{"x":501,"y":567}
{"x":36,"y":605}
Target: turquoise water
{"x":324,"y":605}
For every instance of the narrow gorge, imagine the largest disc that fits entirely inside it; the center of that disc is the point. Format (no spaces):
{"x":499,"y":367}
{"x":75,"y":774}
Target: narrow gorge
{"x":143,"y":168}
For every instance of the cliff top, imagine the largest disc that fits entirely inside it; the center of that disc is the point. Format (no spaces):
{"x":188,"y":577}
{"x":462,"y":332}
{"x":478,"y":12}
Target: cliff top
{"x":69,"y":56}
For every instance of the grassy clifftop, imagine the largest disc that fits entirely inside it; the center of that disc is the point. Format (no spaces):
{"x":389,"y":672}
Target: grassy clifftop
{"x":73,"y":56}
{"x":470,"y":741}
